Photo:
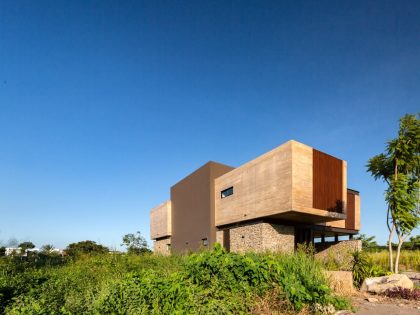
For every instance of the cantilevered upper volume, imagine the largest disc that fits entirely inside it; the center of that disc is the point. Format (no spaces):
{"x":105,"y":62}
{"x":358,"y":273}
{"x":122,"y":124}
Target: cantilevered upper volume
{"x":293,"y":182}
{"x":291,"y":194}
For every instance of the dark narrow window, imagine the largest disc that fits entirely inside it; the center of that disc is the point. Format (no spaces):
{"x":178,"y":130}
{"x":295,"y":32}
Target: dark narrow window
{"x":226,"y":193}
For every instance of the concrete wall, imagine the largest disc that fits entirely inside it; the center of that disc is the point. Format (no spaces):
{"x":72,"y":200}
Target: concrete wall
{"x":193,"y":208}
{"x":160,"y":220}
{"x":259,"y":237}
{"x":260,"y":188}
{"x":160,"y":246}
{"x":278,"y":184}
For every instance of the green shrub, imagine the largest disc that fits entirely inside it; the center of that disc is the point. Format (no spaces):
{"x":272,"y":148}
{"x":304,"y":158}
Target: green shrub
{"x":364,"y":267}
{"x":209,"y":282}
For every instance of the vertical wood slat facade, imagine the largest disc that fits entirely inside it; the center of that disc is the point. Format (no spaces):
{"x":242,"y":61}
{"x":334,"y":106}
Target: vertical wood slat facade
{"x":327,"y":182}
{"x":350,"y":220}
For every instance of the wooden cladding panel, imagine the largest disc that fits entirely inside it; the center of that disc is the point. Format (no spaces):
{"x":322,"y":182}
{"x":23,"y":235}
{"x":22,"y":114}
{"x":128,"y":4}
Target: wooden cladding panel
{"x":350,"y":220}
{"x":327,"y":182}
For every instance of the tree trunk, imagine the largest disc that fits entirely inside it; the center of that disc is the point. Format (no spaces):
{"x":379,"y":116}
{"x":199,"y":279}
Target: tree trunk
{"x":391,"y":259}
{"x":397,"y":258}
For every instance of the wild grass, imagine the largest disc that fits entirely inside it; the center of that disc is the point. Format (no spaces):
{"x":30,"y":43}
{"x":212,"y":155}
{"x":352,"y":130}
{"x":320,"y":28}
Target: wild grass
{"x":409,"y":259}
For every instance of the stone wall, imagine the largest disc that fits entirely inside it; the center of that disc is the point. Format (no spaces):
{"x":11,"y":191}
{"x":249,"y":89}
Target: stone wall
{"x":219,"y":237}
{"x":160,"y":246}
{"x":340,"y":252}
{"x":261,"y":237}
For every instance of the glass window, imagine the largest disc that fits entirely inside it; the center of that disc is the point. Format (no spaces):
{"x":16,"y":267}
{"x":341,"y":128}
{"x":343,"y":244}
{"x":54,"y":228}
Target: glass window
{"x":226,"y":193}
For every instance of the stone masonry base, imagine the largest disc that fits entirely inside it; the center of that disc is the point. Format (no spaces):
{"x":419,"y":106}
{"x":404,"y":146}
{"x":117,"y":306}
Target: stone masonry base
{"x":162,"y":246}
{"x":258,"y":237}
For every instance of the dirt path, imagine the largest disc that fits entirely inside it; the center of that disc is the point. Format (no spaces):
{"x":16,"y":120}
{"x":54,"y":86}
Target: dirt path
{"x":385,"y":306}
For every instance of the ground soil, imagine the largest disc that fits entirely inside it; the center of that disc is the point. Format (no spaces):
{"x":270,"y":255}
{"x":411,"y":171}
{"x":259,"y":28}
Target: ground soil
{"x":384,"y":306}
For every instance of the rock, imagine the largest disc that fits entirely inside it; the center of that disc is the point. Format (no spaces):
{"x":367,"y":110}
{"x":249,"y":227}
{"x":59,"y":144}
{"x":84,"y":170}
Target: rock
{"x":340,"y":281}
{"x":413,"y":276}
{"x":381,"y":284}
{"x":371,"y":300}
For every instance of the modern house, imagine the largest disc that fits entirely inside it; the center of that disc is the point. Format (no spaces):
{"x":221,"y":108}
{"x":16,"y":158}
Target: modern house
{"x":292,"y":194}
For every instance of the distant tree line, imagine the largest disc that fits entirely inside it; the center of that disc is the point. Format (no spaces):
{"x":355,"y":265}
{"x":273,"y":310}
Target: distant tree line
{"x":135,"y":244}
{"x":369,"y":243}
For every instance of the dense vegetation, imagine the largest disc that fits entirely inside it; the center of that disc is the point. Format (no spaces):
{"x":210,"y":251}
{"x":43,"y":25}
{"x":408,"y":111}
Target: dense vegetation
{"x":210,"y":282}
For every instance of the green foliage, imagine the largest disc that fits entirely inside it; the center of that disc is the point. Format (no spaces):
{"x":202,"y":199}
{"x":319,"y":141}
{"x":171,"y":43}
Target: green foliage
{"x":135,"y":243}
{"x":413,"y":243}
{"x":210,"y":282}
{"x":399,"y":167}
{"x":2,"y":251}
{"x":363,"y":267}
{"x":85,"y":247}
{"x":26,"y":245}
{"x":402,"y":197}
{"x":47,"y":249}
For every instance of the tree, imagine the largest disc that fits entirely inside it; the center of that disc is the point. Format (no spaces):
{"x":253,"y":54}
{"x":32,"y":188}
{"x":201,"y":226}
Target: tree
{"x":25,"y":246}
{"x":135,"y":243}
{"x":2,"y":251}
{"x":414,"y":243}
{"x":399,"y":168}
{"x":47,"y":248}
{"x":85,"y":247}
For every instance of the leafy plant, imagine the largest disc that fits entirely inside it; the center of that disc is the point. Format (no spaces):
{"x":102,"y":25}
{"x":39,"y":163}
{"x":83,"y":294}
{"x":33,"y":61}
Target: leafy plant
{"x":403,"y":293}
{"x":363,"y":268}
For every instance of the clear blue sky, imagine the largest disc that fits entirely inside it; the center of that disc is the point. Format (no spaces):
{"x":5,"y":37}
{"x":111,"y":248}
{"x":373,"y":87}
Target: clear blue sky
{"x":105,"y":104}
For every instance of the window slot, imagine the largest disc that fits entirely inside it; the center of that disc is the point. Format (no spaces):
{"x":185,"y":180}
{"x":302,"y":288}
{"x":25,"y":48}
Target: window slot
{"x":226,"y":193}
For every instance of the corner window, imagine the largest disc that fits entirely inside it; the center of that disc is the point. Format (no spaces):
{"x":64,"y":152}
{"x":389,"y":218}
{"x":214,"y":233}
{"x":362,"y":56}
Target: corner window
{"x":226,"y":193}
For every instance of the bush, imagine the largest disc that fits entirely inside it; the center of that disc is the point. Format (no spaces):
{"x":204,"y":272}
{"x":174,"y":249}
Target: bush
{"x":363,"y":267}
{"x":403,"y":293}
{"x":210,"y":282}
{"x":85,"y":247}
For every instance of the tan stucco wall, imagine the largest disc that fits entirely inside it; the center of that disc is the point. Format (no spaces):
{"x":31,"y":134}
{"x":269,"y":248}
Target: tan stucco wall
{"x":261,"y":237}
{"x":193,"y":208}
{"x":160,"y":220}
{"x":160,"y":246}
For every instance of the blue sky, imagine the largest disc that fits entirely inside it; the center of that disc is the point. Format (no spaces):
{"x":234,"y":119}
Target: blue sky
{"x":105,"y":104}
